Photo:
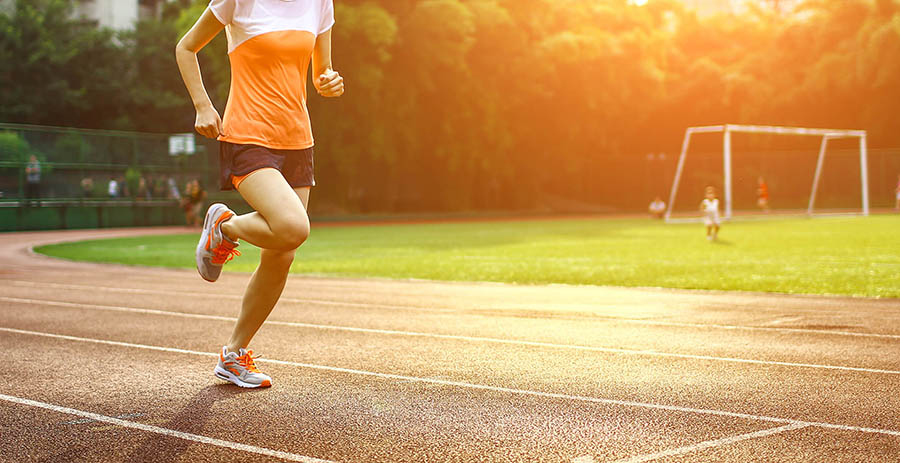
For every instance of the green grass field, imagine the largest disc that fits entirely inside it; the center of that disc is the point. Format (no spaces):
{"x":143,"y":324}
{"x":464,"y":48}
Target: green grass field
{"x":839,"y":256}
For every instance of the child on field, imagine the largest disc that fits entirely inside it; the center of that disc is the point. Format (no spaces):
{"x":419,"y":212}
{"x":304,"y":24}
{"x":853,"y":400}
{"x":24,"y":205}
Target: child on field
{"x":762,"y":194}
{"x":710,"y":208}
{"x":897,"y":190}
{"x":657,"y":208}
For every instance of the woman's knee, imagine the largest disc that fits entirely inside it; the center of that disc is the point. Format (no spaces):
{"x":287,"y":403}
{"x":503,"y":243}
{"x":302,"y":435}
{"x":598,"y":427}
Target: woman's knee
{"x":291,"y":230}
{"x":281,"y":260}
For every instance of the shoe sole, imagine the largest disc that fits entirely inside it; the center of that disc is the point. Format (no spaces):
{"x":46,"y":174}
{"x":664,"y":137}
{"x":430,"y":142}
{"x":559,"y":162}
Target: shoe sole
{"x":226,"y":375}
{"x":201,"y":246}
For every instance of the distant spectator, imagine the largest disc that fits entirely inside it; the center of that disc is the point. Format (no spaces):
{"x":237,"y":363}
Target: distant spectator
{"x":32,"y":179}
{"x":657,"y":208}
{"x":192,"y":203}
{"x":762,"y":192}
{"x":124,"y":191}
{"x":87,"y":187}
{"x":173,"y":189}
{"x":113,"y":188}
{"x":897,"y":195}
{"x":143,"y":189}
{"x":158,"y":186}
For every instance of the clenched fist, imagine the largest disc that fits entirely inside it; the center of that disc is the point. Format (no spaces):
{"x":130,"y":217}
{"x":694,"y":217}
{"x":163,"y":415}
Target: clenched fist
{"x":330,"y":84}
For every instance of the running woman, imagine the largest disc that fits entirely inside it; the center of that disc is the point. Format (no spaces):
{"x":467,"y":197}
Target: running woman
{"x":266,"y":147}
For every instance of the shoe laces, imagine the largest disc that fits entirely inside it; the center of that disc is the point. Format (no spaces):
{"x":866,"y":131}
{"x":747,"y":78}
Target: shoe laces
{"x":247,"y":362}
{"x":224,"y":252}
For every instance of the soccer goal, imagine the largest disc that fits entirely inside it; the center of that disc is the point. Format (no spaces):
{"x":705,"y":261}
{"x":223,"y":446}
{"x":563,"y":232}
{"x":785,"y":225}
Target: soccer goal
{"x":727,"y":130}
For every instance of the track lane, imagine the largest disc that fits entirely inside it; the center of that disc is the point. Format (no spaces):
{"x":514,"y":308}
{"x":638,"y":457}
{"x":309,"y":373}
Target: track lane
{"x":655,"y":432}
{"x":792,"y":314}
{"x":584,"y":334}
{"x":350,"y":418}
{"x":850,"y":398}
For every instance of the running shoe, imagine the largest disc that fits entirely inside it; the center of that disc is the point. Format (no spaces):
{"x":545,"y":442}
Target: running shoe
{"x":240,"y":369}
{"x":214,"y":248}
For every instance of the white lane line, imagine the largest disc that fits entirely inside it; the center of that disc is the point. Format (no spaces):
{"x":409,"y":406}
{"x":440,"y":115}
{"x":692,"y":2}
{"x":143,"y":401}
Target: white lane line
{"x":164,"y":431}
{"x":442,"y":382}
{"x":31,"y":284}
{"x":760,"y":328}
{"x":88,"y":420}
{"x":475,"y":339}
{"x":711,"y":444}
{"x":634,"y":321}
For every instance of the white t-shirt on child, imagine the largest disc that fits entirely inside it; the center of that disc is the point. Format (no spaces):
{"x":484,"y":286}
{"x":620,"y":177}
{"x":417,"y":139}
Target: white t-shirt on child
{"x":711,"y":206}
{"x":710,"y":211}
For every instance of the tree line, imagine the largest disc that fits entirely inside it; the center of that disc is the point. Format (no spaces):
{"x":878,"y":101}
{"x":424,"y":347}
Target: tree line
{"x":489,"y":104}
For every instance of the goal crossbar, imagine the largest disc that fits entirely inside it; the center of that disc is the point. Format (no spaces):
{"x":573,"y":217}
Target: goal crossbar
{"x":728,"y":129}
{"x":736,"y":128}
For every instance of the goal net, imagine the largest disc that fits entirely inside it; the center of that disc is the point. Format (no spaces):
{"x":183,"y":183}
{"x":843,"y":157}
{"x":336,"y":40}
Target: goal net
{"x":845,"y":149}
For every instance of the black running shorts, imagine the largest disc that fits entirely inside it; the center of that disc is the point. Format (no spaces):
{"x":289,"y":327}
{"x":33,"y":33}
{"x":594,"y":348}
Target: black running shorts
{"x":238,"y":161}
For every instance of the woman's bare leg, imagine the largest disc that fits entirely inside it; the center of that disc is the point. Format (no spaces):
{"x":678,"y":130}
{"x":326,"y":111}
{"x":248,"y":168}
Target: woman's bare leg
{"x":280,"y":221}
{"x":261,"y":295}
{"x":273,"y":198}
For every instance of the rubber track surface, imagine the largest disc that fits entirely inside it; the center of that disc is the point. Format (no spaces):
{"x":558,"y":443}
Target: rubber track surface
{"x":108,"y":363}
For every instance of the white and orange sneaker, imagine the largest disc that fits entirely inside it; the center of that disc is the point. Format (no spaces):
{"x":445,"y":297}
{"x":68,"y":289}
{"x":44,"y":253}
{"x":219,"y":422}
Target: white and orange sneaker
{"x":214,"y":248}
{"x":240,"y":369}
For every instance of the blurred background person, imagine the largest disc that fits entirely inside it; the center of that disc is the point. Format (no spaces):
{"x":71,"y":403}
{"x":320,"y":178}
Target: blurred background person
{"x":157,"y":186}
{"x":657,"y":208}
{"x":143,"y":189}
{"x":897,"y":195}
{"x":762,"y":195}
{"x":32,"y":179}
{"x":124,"y":190}
{"x":173,"y":192}
{"x":192,"y":203}
{"x":112,"y":189}
{"x":710,"y":208}
{"x":87,"y":187}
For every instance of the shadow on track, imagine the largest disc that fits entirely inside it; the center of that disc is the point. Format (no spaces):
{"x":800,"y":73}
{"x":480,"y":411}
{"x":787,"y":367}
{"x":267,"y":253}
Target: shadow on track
{"x":191,"y":419}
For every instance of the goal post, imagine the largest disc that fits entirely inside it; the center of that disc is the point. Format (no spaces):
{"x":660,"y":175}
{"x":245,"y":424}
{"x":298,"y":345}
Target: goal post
{"x":728,"y":129}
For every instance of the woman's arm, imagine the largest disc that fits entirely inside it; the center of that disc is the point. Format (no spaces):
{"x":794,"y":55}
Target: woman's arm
{"x":327,"y":81}
{"x":208,"y":122}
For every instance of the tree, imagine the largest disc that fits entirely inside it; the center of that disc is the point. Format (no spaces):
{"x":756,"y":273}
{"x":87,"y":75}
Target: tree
{"x":478,"y":104}
{"x":66,"y":72}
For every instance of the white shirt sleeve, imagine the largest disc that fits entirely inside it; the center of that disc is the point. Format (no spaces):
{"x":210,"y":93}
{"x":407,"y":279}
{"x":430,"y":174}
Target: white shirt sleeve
{"x":326,"y":20}
{"x":223,"y":10}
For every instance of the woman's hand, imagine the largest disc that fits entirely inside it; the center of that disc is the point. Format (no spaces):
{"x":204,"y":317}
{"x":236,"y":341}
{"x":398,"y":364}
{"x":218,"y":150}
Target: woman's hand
{"x":208,"y":122}
{"x":330,"y":84}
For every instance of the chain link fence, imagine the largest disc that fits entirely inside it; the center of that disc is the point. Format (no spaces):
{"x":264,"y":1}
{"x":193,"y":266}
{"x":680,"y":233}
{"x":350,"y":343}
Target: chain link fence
{"x":52,"y":177}
{"x":96,"y":178}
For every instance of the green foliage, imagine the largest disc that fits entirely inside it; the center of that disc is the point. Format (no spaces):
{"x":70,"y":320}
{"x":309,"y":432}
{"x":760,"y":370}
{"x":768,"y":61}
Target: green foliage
{"x":13,"y":148}
{"x":132,"y":179}
{"x":65,"y":72}
{"x":73,"y":147}
{"x":488,"y":104}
